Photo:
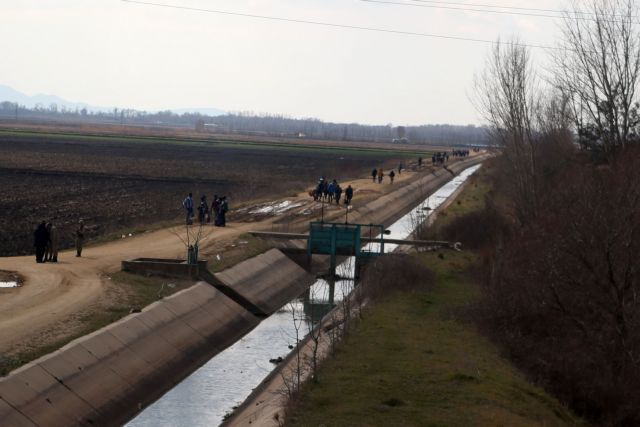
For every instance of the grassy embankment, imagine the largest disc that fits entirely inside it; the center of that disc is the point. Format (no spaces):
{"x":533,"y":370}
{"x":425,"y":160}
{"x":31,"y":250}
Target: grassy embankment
{"x":417,"y":359}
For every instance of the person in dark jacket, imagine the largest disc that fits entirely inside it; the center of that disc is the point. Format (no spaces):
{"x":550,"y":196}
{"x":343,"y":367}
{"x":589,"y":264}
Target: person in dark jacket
{"x":348,"y":195}
{"x":203,"y":210}
{"x":215,"y":207}
{"x":221,"y":219}
{"x":392,"y":175}
{"x":374,"y":174}
{"x":337,"y":193}
{"x":79,"y":235}
{"x":40,"y":241}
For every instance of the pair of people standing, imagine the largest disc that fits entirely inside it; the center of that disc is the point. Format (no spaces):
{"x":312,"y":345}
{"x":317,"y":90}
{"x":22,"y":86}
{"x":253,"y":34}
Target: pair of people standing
{"x":46,"y":241}
{"x":220,"y":207}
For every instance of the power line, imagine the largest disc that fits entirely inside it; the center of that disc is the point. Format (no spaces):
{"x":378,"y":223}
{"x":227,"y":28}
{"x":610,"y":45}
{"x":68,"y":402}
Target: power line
{"x":531,"y":9}
{"x":465,"y":9}
{"x":498,"y":12}
{"x":333,"y":25}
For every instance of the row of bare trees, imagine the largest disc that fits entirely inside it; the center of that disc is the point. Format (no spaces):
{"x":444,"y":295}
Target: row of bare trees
{"x":563,"y":287}
{"x":590,"y":92}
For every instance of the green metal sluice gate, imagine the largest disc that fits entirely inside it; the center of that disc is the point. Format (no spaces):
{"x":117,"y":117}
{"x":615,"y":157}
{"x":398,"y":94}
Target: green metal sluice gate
{"x":333,"y":239}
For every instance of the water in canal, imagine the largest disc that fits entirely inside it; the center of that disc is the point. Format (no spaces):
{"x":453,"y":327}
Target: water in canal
{"x":224,"y":382}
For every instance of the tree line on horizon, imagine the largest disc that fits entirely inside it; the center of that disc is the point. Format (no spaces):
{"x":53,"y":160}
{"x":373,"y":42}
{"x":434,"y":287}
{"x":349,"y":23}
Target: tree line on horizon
{"x":250,"y":123}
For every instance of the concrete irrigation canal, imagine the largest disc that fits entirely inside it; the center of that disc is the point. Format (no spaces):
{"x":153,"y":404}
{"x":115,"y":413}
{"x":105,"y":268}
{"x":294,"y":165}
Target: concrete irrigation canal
{"x":210,"y":393}
{"x":200,"y":352}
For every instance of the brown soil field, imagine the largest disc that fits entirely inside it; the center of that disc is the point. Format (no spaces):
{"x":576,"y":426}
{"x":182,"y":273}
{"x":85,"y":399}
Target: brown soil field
{"x":104,"y":129}
{"x":116,"y":183}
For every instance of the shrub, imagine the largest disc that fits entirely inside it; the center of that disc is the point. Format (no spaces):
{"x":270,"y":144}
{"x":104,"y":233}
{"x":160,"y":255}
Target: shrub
{"x":563,"y":293}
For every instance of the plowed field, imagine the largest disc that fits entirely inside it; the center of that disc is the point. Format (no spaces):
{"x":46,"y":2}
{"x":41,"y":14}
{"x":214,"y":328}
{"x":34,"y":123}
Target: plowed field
{"x":115,"y":183}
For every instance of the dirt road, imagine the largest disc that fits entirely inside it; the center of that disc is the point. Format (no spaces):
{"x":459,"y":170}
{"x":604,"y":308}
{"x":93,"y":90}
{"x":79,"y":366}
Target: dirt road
{"x":53,"y":293}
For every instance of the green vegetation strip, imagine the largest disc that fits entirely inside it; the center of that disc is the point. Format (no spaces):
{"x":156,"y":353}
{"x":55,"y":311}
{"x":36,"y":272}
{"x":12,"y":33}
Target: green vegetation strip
{"x":417,"y":360}
{"x":218,"y":143}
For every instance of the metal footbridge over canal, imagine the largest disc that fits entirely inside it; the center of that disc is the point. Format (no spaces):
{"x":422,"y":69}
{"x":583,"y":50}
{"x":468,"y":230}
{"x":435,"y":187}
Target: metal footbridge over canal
{"x":364,"y":242}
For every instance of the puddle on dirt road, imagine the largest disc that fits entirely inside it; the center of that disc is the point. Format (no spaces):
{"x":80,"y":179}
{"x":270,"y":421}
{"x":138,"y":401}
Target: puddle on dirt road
{"x":214,"y":390}
{"x":276,"y":208}
{"x":9,"y":285}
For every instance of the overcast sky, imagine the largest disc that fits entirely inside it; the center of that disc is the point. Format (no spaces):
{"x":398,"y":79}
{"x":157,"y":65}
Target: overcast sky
{"x":113,"y":53}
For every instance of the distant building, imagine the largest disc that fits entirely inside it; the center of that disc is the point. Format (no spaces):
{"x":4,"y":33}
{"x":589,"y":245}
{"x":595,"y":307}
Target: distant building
{"x":400,"y":141}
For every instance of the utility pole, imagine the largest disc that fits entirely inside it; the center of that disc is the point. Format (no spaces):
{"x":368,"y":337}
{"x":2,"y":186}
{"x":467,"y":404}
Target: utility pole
{"x":16,"y":111}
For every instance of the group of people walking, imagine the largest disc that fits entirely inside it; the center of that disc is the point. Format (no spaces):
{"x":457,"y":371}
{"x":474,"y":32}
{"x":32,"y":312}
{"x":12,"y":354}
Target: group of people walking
{"x":439,"y":158}
{"x":378,"y":174}
{"x":217,"y":212}
{"x":46,"y":241}
{"x":461,"y":153}
{"x":331,"y":192}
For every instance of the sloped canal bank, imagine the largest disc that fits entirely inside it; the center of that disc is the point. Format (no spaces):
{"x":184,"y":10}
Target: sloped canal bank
{"x":211,"y":392}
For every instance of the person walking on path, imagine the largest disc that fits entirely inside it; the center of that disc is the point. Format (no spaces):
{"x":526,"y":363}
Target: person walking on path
{"x":380,"y":176}
{"x":392,"y":175}
{"x":40,"y":240}
{"x":79,"y":235}
{"x":348,"y":195}
{"x":400,"y":167}
{"x":187,"y":204}
{"x":337,"y":193}
{"x":374,"y":174}
{"x":419,"y":162}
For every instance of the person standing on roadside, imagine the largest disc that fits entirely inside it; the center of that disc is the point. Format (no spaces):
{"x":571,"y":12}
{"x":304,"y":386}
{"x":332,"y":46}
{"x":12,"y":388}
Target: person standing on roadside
{"x":374,"y":174}
{"x":222,"y":212}
{"x":187,"y":204}
{"x":40,"y":240}
{"x":348,"y":195}
{"x":203,"y":210}
{"x":215,"y":207}
{"x":392,"y":175}
{"x":53,"y":243}
{"x":47,"y":250}
{"x":79,"y":235}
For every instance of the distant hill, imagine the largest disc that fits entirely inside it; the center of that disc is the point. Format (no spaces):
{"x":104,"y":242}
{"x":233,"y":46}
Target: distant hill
{"x":30,"y":101}
{"x":9,"y":94}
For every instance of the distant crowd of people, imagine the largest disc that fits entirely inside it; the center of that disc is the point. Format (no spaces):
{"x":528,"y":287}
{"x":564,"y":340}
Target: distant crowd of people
{"x":46,"y":241}
{"x":217,"y":212}
{"x":440,"y":158}
{"x":331,"y":192}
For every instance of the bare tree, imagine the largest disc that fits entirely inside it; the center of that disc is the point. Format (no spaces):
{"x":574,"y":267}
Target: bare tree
{"x":507,"y":94}
{"x":597,"y":68}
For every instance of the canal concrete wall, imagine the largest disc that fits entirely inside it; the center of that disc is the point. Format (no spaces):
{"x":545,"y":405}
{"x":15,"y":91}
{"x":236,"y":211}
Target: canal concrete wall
{"x":104,"y":378}
{"x":268,"y":281}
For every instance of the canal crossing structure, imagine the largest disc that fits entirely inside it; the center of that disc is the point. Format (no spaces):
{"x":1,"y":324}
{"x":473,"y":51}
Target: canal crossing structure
{"x":338,"y":239}
{"x":106,"y":377}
